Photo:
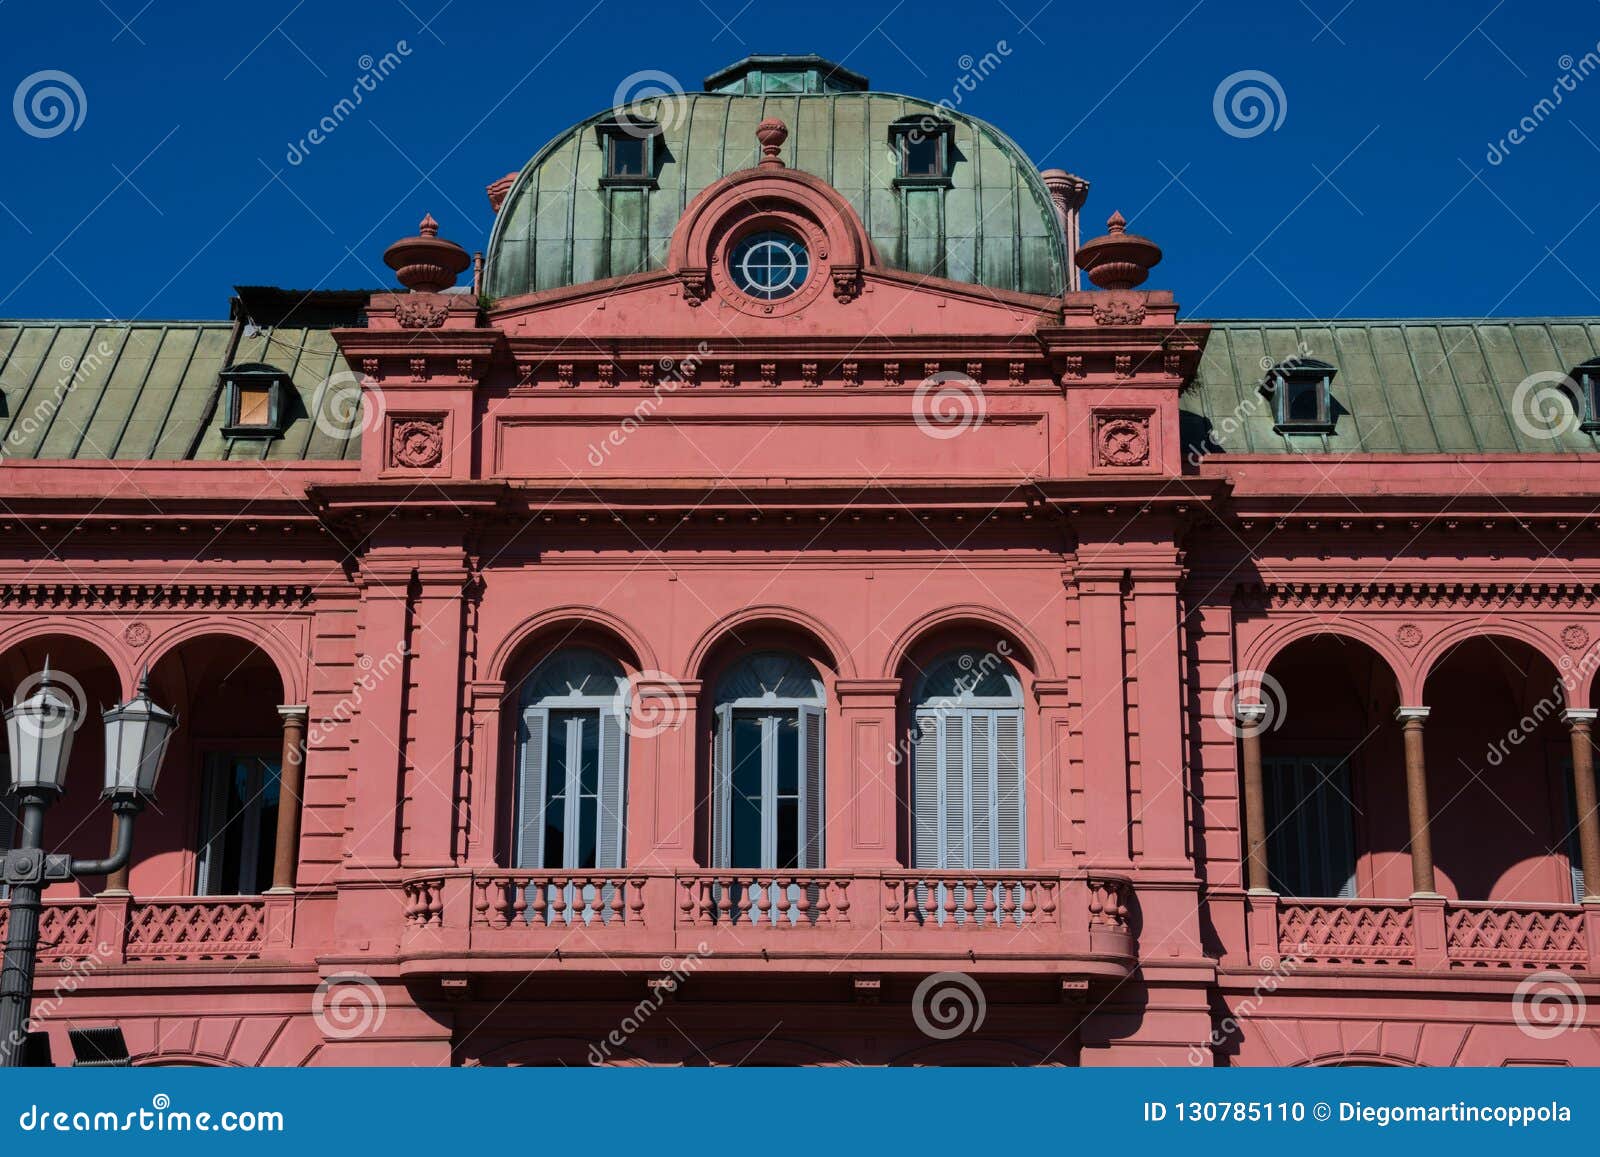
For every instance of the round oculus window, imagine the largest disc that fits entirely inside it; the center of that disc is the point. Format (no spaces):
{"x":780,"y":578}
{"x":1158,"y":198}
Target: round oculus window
{"x":769,"y":265}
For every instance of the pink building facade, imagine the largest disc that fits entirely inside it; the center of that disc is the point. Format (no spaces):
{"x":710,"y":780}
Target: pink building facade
{"x":777,"y":616}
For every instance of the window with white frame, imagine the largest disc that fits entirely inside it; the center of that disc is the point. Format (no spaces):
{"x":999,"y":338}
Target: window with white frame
{"x":238,"y":824}
{"x":967,"y":797}
{"x":768,"y":764}
{"x":1311,"y":845}
{"x":572,"y":762}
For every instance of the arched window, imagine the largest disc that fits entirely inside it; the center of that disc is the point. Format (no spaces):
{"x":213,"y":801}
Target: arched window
{"x":571,"y":763}
{"x":767,"y":773}
{"x":966,"y":781}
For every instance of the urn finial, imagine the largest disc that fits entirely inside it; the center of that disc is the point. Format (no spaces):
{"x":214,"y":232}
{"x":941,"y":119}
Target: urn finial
{"x":426,"y":263}
{"x":1119,"y":259}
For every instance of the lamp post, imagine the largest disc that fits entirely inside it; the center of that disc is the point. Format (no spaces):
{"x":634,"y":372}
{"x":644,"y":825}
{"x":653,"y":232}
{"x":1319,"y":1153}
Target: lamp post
{"x":39,"y":731}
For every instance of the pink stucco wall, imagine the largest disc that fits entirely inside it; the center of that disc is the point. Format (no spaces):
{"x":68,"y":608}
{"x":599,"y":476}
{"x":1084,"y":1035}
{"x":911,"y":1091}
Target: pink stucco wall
{"x":792,"y":494}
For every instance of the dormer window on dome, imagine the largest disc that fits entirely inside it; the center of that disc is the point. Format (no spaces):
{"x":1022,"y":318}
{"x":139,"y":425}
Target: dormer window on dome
{"x":924,"y":150}
{"x":1301,"y":391}
{"x":1587,"y":377}
{"x":632,"y":149}
{"x":255,"y":401}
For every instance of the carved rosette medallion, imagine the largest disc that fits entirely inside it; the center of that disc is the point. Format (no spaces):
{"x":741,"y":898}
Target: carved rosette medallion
{"x":1122,"y":439}
{"x":416,"y":443}
{"x":1408,"y":635}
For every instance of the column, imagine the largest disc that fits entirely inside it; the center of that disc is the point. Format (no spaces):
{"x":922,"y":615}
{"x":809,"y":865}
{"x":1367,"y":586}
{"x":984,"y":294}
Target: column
{"x":1251,"y":717}
{"x":1104,"y":726}
{"x":291,"y":784}
{"x":433,"y":731}
{"x":379,"y":689}
{"x":1157,"y":666}
{"x":1581,"y":721}
{"x":485,"y":798}
{"x":1422,"y":881}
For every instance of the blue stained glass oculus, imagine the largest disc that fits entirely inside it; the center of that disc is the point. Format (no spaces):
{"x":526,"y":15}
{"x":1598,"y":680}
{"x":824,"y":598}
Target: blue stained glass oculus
{"x":769,"y":265}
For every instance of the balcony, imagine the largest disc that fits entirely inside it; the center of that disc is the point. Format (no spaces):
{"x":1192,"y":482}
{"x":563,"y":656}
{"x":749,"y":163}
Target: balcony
{"x":1012,"y":922}
{"x":1422,"y":935}
{"x":113,"y":930}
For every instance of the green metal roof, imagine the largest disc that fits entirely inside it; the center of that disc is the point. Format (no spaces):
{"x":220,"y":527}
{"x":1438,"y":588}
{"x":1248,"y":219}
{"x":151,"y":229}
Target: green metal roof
{"x":1414,"y":386}
{"x":995,"y":226}
{"x":149,"y":390}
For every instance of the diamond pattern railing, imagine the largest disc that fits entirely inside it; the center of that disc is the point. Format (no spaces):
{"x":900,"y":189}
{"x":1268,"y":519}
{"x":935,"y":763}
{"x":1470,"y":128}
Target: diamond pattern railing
{"x":115,"y":929}
{"x":1497,"y":936}
{"x":1428,"y":934}
{"x":1353,"y":932}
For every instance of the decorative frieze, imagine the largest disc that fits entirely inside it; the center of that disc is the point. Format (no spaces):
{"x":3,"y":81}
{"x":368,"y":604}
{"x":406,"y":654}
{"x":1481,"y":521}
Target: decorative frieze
{"x":421,"y":312}
{"x":1379,"y":595}
{"x":152,"y":596}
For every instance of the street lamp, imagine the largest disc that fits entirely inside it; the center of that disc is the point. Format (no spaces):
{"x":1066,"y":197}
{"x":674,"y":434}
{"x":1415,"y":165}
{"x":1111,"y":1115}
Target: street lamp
{"x":39,"y":731}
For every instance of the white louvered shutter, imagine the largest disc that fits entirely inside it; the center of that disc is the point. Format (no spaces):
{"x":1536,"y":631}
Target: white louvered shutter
{"x":722,"y":790}
{"x":981,"y":848}
{"x":214,"y":819}
{"x":1011,"y":822}
{"x":1574,"y":848}
{"x":955,"y":802}
{"x":611,"y":840}
{"x":530,"y":787}
{"x":811,"y":793}
{"x":927,"y":811}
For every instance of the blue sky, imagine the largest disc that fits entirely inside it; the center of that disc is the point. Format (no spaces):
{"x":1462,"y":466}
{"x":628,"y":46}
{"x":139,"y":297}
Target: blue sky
{"x":1373,"y":195}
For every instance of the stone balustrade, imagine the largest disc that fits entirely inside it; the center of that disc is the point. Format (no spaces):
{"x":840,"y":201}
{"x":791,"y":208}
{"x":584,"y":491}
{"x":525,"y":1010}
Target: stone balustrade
{"x":1421,"y":934}
{"x":1021,"y":921}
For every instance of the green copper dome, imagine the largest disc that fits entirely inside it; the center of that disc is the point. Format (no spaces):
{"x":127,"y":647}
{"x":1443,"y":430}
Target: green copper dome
{"x":989,"y":222}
